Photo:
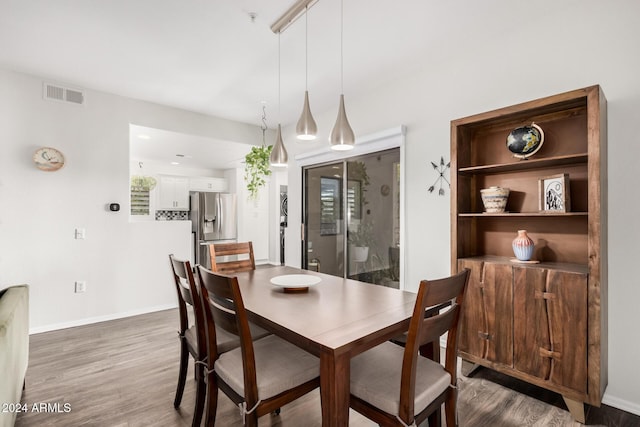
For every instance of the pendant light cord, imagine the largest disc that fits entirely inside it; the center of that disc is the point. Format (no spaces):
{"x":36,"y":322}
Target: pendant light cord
{"x":341,"y":46}
{"x":279,"y":120}
{"x":306,"y":48}
{"x":264,"y":124}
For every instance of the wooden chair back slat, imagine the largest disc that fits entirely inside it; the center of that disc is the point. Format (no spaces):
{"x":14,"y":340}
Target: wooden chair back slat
{"x":434,"y":327}
{"x":222,"y":316}
{"x":243,"y":250}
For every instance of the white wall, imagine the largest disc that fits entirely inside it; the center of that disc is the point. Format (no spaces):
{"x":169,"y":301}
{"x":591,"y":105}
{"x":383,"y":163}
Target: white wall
{"x":253,"y":215}
{"x":125,"y":264}
{"x":504,"y":61}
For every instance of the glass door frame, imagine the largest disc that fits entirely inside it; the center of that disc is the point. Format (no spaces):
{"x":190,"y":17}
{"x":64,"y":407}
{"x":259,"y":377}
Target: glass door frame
{"x":380,"y":141}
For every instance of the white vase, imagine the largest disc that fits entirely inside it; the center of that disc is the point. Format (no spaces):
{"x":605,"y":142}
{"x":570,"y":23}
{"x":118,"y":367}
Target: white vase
{"x":359,"y":253}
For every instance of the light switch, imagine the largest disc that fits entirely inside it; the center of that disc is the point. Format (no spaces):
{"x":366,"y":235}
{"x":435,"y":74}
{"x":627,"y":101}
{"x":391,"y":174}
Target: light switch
{"x":80,"y":286}
{"x":80,"y":234}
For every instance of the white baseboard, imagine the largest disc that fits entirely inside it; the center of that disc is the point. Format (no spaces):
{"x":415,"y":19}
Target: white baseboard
{"x":622,"y":404}
{"x":97,"y":319}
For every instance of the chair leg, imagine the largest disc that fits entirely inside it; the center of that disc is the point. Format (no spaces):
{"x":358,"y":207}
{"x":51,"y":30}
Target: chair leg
{"x":251,"y":420}
{"x":211,"y":401}
{"x":201,"y":390}
{"x":435,"y":419}
{"x":450,"y":408}
{"x":182,"y":375}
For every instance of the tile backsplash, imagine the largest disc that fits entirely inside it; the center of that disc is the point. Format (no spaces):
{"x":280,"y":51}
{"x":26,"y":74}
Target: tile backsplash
{"x":172,"y":215}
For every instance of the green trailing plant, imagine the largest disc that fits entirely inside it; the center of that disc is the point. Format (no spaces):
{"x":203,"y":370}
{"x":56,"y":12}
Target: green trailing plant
{"x":147,"y":183}
{"x":256,"y":168}
{"x":358,"y":170}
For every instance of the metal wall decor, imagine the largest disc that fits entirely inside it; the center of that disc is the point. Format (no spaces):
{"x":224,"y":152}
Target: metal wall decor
{"x":440,"y":170}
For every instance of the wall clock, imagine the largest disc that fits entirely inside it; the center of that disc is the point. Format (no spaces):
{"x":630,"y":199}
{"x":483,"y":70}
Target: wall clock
{"x":48,"y":159}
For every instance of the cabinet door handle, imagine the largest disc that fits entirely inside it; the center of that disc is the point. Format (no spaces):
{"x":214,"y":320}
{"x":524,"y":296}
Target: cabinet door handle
{"x":550,"y":354}
{"x":544,"y":295}
{"x":484,"y":335}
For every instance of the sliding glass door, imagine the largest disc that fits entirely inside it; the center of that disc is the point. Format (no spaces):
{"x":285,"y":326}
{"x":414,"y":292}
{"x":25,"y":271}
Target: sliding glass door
{"x":352,"y":218}
{"x":323,"y":242}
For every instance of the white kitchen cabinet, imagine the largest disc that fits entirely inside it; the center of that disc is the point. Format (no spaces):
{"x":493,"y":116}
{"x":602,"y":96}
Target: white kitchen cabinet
{"x":209,"y":184}
{"x":174,"y":193}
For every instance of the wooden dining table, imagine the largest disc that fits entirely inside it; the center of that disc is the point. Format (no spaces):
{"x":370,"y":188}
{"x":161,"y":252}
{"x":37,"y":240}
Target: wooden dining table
{"x":335,"y":320}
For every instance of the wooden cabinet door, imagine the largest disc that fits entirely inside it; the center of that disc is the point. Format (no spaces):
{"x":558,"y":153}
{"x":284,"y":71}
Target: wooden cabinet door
{"x":530,"y":322}
{"x":550,"y":326}
{"x":486,"y":329}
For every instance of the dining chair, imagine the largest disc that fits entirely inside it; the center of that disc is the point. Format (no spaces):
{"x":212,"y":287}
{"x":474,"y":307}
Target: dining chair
{"x":394,"y":386}
{"x":245,"y":263}
{"x":261,"y":375}
{"x":193,"y":335}
{"x":244,"y":252}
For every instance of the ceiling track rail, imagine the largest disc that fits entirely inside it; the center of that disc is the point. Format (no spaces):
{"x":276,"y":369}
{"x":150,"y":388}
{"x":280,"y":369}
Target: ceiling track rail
{"x":291,"y":15}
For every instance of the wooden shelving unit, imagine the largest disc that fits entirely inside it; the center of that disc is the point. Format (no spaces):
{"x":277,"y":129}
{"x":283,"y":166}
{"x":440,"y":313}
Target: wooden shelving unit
{"x":544,"y":323}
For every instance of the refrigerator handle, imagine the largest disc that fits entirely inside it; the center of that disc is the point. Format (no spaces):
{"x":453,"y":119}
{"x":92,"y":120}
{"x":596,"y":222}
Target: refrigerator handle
{"x":220,"y":218}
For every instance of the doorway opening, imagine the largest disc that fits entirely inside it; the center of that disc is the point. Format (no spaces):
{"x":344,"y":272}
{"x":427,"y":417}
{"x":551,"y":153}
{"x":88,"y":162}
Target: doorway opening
{"x":352,"y":217}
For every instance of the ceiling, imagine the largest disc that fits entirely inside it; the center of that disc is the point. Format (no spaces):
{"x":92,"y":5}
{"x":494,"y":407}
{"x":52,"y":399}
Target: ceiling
{"x":161,"y":147}
{"x":211,"y":57}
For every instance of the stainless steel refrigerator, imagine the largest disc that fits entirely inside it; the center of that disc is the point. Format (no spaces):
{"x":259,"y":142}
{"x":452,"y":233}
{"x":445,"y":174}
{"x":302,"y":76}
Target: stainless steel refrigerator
{"x":213,"y":220}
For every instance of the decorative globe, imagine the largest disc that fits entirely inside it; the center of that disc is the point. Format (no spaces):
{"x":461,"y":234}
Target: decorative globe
{"x":525,"y":141}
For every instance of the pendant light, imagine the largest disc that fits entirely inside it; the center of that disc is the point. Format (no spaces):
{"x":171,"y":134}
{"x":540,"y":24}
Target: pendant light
{"x":342,"y":137}
{"x":306,"y":127}
{"x":279,"y":157}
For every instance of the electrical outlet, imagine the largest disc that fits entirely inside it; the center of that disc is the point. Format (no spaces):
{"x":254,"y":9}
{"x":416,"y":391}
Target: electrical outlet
{"x":80,"y":233}
{"x":81,"y":286}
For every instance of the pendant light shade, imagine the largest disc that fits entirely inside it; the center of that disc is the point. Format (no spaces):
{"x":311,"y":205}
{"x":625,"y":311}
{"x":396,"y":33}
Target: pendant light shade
{"x":279,"y":156}
{"x":306,"y":127}
{"x":342,"y":136}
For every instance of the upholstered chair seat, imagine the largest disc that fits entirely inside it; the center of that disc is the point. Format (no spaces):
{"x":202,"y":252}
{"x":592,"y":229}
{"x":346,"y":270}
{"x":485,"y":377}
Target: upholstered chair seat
{"x":381,"y":387}
{"x":280,"y":366}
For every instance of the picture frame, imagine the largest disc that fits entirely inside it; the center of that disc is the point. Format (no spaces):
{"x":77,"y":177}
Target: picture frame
{"x":554,"y":194}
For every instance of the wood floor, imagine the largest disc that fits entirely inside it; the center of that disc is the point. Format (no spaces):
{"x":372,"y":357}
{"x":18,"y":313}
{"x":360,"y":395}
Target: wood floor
{"x":124,"y":373}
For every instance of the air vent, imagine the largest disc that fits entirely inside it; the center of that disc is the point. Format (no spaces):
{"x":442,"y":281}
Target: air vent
{"x":54,"y":92}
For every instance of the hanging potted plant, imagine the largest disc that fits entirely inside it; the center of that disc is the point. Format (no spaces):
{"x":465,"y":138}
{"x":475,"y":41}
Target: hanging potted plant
{"x":256,"y":163}
{"x":256,"y":168}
